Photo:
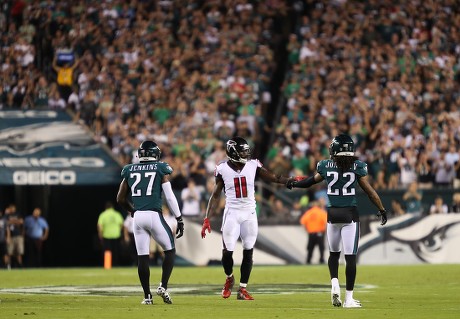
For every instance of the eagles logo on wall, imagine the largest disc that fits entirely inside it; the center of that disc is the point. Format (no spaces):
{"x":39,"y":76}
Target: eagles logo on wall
{"x":47,"y":148}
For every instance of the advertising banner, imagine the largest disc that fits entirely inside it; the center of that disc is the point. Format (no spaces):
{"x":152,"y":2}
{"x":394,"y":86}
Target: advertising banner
{"x":47,"y":148}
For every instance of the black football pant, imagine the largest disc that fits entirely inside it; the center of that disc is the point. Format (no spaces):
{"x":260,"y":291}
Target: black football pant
{"x":315,"y":239}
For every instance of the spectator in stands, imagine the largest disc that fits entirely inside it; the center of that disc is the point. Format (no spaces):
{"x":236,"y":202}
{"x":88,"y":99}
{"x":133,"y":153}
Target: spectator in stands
{"x":424,"y":171}
{"x":413,"y":199}
{"x":438,"y":207}
{"x":457,"y":175}
{"x":396,"y":208}
{"x":444,"y":175}
{"x":191,"y":199}
{"x":455,"y":206}
{"x":65,"y":77}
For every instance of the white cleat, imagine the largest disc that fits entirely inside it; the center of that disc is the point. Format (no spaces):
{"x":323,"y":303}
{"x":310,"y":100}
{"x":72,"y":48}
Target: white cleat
{"x":352,"y":303}
{"x":335,"y":297}
{"x":163,"y":293}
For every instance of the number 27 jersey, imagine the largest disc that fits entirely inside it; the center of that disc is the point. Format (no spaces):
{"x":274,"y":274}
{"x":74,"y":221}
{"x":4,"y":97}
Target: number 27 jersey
{"x":144,"y":180}
{"x":341,"y":186}
{"x":239,"y":185}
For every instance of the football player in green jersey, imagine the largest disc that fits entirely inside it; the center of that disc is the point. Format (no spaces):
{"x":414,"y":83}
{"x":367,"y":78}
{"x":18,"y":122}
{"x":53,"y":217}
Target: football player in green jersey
{"x":145,"y":182}
{"x":341,"y":172}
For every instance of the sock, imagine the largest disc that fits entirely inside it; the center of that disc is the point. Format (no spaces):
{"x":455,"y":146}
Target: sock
{"x":349,"y":295}
{"x":246,"y":265}
{"x":167,"y":267}
{"x":335,"y":282}
{"x":143,"y":271}
{"x":333,"y":264}
{"x":227,"y":261}
{"x":350,"y":271}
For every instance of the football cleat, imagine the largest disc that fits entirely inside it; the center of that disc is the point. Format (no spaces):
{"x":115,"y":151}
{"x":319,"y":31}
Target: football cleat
{"x":352,"y":303}
{"x":243,"y":294}
{"x":335,"y":296}
{"x":163,"y":293}
{"x":147,"y":301}
{"x":227,"y":290}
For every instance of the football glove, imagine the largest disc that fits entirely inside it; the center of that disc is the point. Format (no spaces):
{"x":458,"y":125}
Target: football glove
{"x":292,"y":181}
{"x":180,"y":227}
{"x":206,"y":226}
{"x":382,"y":214}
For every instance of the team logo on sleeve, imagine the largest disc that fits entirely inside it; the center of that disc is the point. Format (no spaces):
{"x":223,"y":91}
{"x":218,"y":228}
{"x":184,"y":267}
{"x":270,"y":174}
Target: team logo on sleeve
{"x":169,"y":168}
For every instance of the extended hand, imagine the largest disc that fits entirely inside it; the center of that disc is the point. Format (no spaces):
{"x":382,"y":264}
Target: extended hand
{"x":292,"y":181}
{"x":206,"y":226}
{"x":180,"y":227}
{"x":383,"y":216}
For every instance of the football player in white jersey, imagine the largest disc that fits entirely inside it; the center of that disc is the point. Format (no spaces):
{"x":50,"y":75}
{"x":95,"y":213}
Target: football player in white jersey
{"x":237,"y":178}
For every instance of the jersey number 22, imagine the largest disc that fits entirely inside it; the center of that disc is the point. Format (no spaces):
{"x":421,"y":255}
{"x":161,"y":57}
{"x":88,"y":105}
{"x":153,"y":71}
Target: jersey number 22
{"x":347,"y":189}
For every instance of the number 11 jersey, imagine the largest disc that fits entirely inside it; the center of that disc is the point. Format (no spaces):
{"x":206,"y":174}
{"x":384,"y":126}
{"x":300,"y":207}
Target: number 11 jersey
{"x":239,"y":185}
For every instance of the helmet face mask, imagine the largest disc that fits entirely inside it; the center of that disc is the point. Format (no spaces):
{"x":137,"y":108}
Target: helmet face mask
{"x":238,"y":150}
{"x":148,"y":151}
{"x":342,"y":145}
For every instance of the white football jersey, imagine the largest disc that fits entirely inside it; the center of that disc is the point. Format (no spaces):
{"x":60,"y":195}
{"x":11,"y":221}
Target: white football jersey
{"x":239,"y":185}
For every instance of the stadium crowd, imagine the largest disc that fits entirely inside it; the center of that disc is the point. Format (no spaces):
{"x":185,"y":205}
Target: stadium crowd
{"x":189,"y":75}
{"x":387,"y":73}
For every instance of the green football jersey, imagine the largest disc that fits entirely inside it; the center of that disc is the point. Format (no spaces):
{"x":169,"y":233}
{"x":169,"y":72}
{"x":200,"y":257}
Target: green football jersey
{"x":341,"y":187}
{"x":144,"y":180}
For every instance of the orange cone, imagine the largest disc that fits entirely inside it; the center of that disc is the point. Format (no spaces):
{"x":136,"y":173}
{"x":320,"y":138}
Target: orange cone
{"x":107,"y":259}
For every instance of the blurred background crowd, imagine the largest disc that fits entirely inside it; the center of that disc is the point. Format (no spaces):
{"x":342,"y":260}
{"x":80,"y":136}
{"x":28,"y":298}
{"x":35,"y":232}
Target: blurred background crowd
{"x":285,"y":75}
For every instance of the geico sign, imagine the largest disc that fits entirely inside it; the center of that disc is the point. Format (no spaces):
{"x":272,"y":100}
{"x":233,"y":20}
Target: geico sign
{"x":52,"y":162}
{"x":27,"y":114}
{"x":44,"y":177}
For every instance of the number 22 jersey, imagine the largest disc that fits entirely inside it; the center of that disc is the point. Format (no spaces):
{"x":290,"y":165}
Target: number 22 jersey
{"x":341,"y":186}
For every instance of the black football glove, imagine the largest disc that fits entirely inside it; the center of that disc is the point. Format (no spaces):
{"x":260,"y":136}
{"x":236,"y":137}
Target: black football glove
{"x":382,"y":214}
{"x":291,"y":183}
{"x":180,"y":227}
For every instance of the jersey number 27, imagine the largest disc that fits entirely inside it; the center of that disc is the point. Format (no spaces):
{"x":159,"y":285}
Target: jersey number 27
{"x":137,"y":176}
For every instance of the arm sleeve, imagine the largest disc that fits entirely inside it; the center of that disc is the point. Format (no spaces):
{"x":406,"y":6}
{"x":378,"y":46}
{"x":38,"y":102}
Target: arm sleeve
{"x":171,"y":199}
{"x":305,"y":183}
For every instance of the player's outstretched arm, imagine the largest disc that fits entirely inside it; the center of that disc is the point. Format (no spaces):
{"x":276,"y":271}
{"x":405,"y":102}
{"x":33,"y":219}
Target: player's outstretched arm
{"x":374,"y":197}
{"x":303,"y":181}
{"x":270,"y":177}
{"x":122,"y":197}
{"x":213,"y":203}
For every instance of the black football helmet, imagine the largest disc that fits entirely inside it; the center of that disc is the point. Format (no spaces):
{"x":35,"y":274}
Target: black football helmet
{"x":238,"y":150}
{"x":342,"y":145}
{"x":148,"y":151}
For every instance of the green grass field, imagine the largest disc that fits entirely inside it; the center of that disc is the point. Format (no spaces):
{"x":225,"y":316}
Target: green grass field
{"x":424,"y":291}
